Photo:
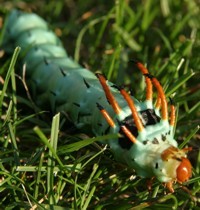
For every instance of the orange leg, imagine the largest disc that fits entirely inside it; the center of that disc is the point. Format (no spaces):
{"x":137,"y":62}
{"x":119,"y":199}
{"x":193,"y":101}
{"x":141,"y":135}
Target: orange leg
{"x":169,"y":186}
{"x":128,"y":133}
{"x":108,"y":93}
{"x":149,"y":91}
{"x":172,"y":114}
{"x":187,"y":149}
{"x":150,"y":183}
{"x":158,"y":102}
{"x":131,"y":105}
{"x":106,"y":116}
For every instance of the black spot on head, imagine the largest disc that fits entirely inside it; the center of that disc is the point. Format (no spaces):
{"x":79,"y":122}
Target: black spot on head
{"x":169,"y":132}
{"x":149,"y":116}
{"x":156,"y":166}
{"x":145,"y":142}
{"x":163,"y":137}
{"x":155,"y":141}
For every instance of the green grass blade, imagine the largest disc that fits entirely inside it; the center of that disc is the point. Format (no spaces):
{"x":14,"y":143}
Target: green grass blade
{"x":177,"y":84}
{"x":10,"y":70}
{"x":46,"y":142}
{"x":51,"y":161}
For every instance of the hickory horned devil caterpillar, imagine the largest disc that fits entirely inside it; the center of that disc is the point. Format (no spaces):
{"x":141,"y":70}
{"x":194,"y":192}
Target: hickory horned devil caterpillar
{"x":146,"y":143}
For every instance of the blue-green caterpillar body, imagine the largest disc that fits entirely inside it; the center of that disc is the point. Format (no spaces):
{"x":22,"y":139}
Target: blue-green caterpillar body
{"x":146,"y":141}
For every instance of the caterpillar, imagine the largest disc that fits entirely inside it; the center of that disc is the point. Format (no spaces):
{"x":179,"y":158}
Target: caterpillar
{"x":145,"y":143}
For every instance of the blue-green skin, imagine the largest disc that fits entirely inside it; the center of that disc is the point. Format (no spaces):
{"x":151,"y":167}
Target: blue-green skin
{"x":57,"y":82}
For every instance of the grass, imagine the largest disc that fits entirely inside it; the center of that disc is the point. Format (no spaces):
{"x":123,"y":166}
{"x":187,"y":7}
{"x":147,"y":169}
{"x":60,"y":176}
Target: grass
{"x":47,"y":164}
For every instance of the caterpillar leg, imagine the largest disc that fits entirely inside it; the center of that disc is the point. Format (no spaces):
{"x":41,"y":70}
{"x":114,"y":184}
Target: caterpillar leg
{"x":158,"y":102}
{"x":150,"y":183}
{"x":106,"y":115}
{"x":164,"y":109}
{"x":169,"y":186}
{"x":172,"y":113}
{"x":108,"y":93}
{"x":128,"y":134}
{"x":149,"y":86}
{"x":132,"y":107}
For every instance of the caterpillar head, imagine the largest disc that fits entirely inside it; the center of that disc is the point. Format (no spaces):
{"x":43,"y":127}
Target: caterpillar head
{"x":173,"y":166}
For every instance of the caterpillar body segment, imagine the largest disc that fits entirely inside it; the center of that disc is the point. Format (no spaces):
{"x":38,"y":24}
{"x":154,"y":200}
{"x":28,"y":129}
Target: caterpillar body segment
{"x":146,"y":141}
